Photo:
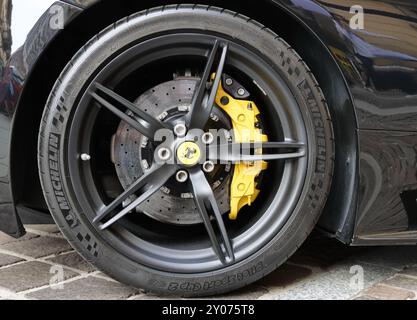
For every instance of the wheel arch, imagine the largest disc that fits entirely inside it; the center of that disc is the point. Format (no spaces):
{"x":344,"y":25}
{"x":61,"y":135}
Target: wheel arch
{"x":338,"y":218}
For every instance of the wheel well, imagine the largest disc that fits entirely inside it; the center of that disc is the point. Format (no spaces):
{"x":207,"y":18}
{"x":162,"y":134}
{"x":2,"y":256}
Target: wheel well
{"x":24,"y":172}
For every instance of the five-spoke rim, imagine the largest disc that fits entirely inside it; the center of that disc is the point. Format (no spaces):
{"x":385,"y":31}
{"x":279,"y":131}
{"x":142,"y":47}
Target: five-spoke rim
{"x":106,"y":216}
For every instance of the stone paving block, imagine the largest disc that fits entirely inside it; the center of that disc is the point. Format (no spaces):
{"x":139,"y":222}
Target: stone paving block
{"x":334,"y":284}
{"x":251,"y":292}
{"x":388,"y":293}
{"x":48,"y":228}
{"x":365,"y":298}
{"x":72,"y":260}
{"x":285,"y":275}
{"x":148,"y":296}
{"x":394,"y":257}
{"x":4,"y":238}
{"x":38,"y":247}
{"x":6,"y":260}
{"x":90,"y":288}
{"x":102,"y":275}
{"x":410,"y":271}
{"x":402,"y":282}
{"x":28,"y":275}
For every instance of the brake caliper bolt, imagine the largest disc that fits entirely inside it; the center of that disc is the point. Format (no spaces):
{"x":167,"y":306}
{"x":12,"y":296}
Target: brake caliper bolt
{"x":224,"y":101}
{"x":229,"y":81}
{"x":208,"y":166}
{"x":241,"y":92}
{"x":164,"y":154}
{"x":85,"y":157}
{"x":180,"y":130}
{"x":182,"y":176}
{"x":207,"y":138}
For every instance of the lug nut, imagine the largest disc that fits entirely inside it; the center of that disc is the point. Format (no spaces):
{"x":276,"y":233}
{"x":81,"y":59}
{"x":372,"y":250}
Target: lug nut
{"x":164,"y":154}
{"x":207,"y":138}
{"x":182,"y":176}
{"x":229,"y":81}
{"x":85,"y":157}
{"x":180,"y":130}
{"x":208,"y":166}
{"x":241,"y":92}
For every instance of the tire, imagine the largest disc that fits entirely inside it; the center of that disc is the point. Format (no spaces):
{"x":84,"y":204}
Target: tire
{"x":60,"y":190}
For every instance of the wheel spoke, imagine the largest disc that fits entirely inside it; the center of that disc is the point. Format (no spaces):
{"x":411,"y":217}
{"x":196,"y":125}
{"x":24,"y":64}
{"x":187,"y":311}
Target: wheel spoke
{"x":236,"y":153}
{"x":147,"y":185}
{"x":208,"y":207}
{"x":200,"y":110}
{"x":146,"y":124}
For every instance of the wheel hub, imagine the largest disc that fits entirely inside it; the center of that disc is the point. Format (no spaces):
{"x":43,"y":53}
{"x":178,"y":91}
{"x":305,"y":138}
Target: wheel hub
{"x":171,"y":101}
{"x":174,"y":203}
{"x":189,"y":154}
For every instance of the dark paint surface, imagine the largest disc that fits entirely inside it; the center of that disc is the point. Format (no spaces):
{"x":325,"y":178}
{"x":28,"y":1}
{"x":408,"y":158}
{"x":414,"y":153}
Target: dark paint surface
{"x":379,"y":64}
{"x":12,"y":79}
{"x":388,"y":168}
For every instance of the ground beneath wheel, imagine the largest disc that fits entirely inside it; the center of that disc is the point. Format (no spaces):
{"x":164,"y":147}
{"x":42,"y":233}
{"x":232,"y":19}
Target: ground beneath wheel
{"x":322,"y":269}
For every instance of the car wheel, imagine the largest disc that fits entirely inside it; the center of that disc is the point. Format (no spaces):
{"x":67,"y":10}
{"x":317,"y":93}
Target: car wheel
{"x":196,"y":226}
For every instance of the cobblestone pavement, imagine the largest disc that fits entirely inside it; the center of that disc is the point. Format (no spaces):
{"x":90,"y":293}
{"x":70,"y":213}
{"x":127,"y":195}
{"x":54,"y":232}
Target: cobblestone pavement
{"x":322,"y":269}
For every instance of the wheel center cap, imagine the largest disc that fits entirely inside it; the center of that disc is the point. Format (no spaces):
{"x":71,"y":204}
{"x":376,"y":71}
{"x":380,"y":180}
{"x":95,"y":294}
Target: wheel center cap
{"x":189,"y":153}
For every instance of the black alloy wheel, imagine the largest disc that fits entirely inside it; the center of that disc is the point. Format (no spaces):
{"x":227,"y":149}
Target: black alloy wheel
{"x":125,"y":198}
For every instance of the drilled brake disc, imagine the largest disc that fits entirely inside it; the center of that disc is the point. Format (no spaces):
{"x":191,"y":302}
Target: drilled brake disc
{"x":132,"y":154}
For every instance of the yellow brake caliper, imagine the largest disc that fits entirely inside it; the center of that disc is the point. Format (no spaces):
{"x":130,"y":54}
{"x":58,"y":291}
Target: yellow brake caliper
{"x":243,"y":114}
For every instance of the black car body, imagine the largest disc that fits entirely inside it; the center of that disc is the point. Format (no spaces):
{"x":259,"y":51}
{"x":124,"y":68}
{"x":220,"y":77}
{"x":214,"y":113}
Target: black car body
{"x":369,"y":78}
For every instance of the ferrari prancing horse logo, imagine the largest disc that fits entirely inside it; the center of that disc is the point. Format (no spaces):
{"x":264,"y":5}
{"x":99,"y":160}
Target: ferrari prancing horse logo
{"x":189,"y":153}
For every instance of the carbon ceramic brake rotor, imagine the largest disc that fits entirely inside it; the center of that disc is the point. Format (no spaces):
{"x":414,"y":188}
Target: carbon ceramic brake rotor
{"x":132,"y":154}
